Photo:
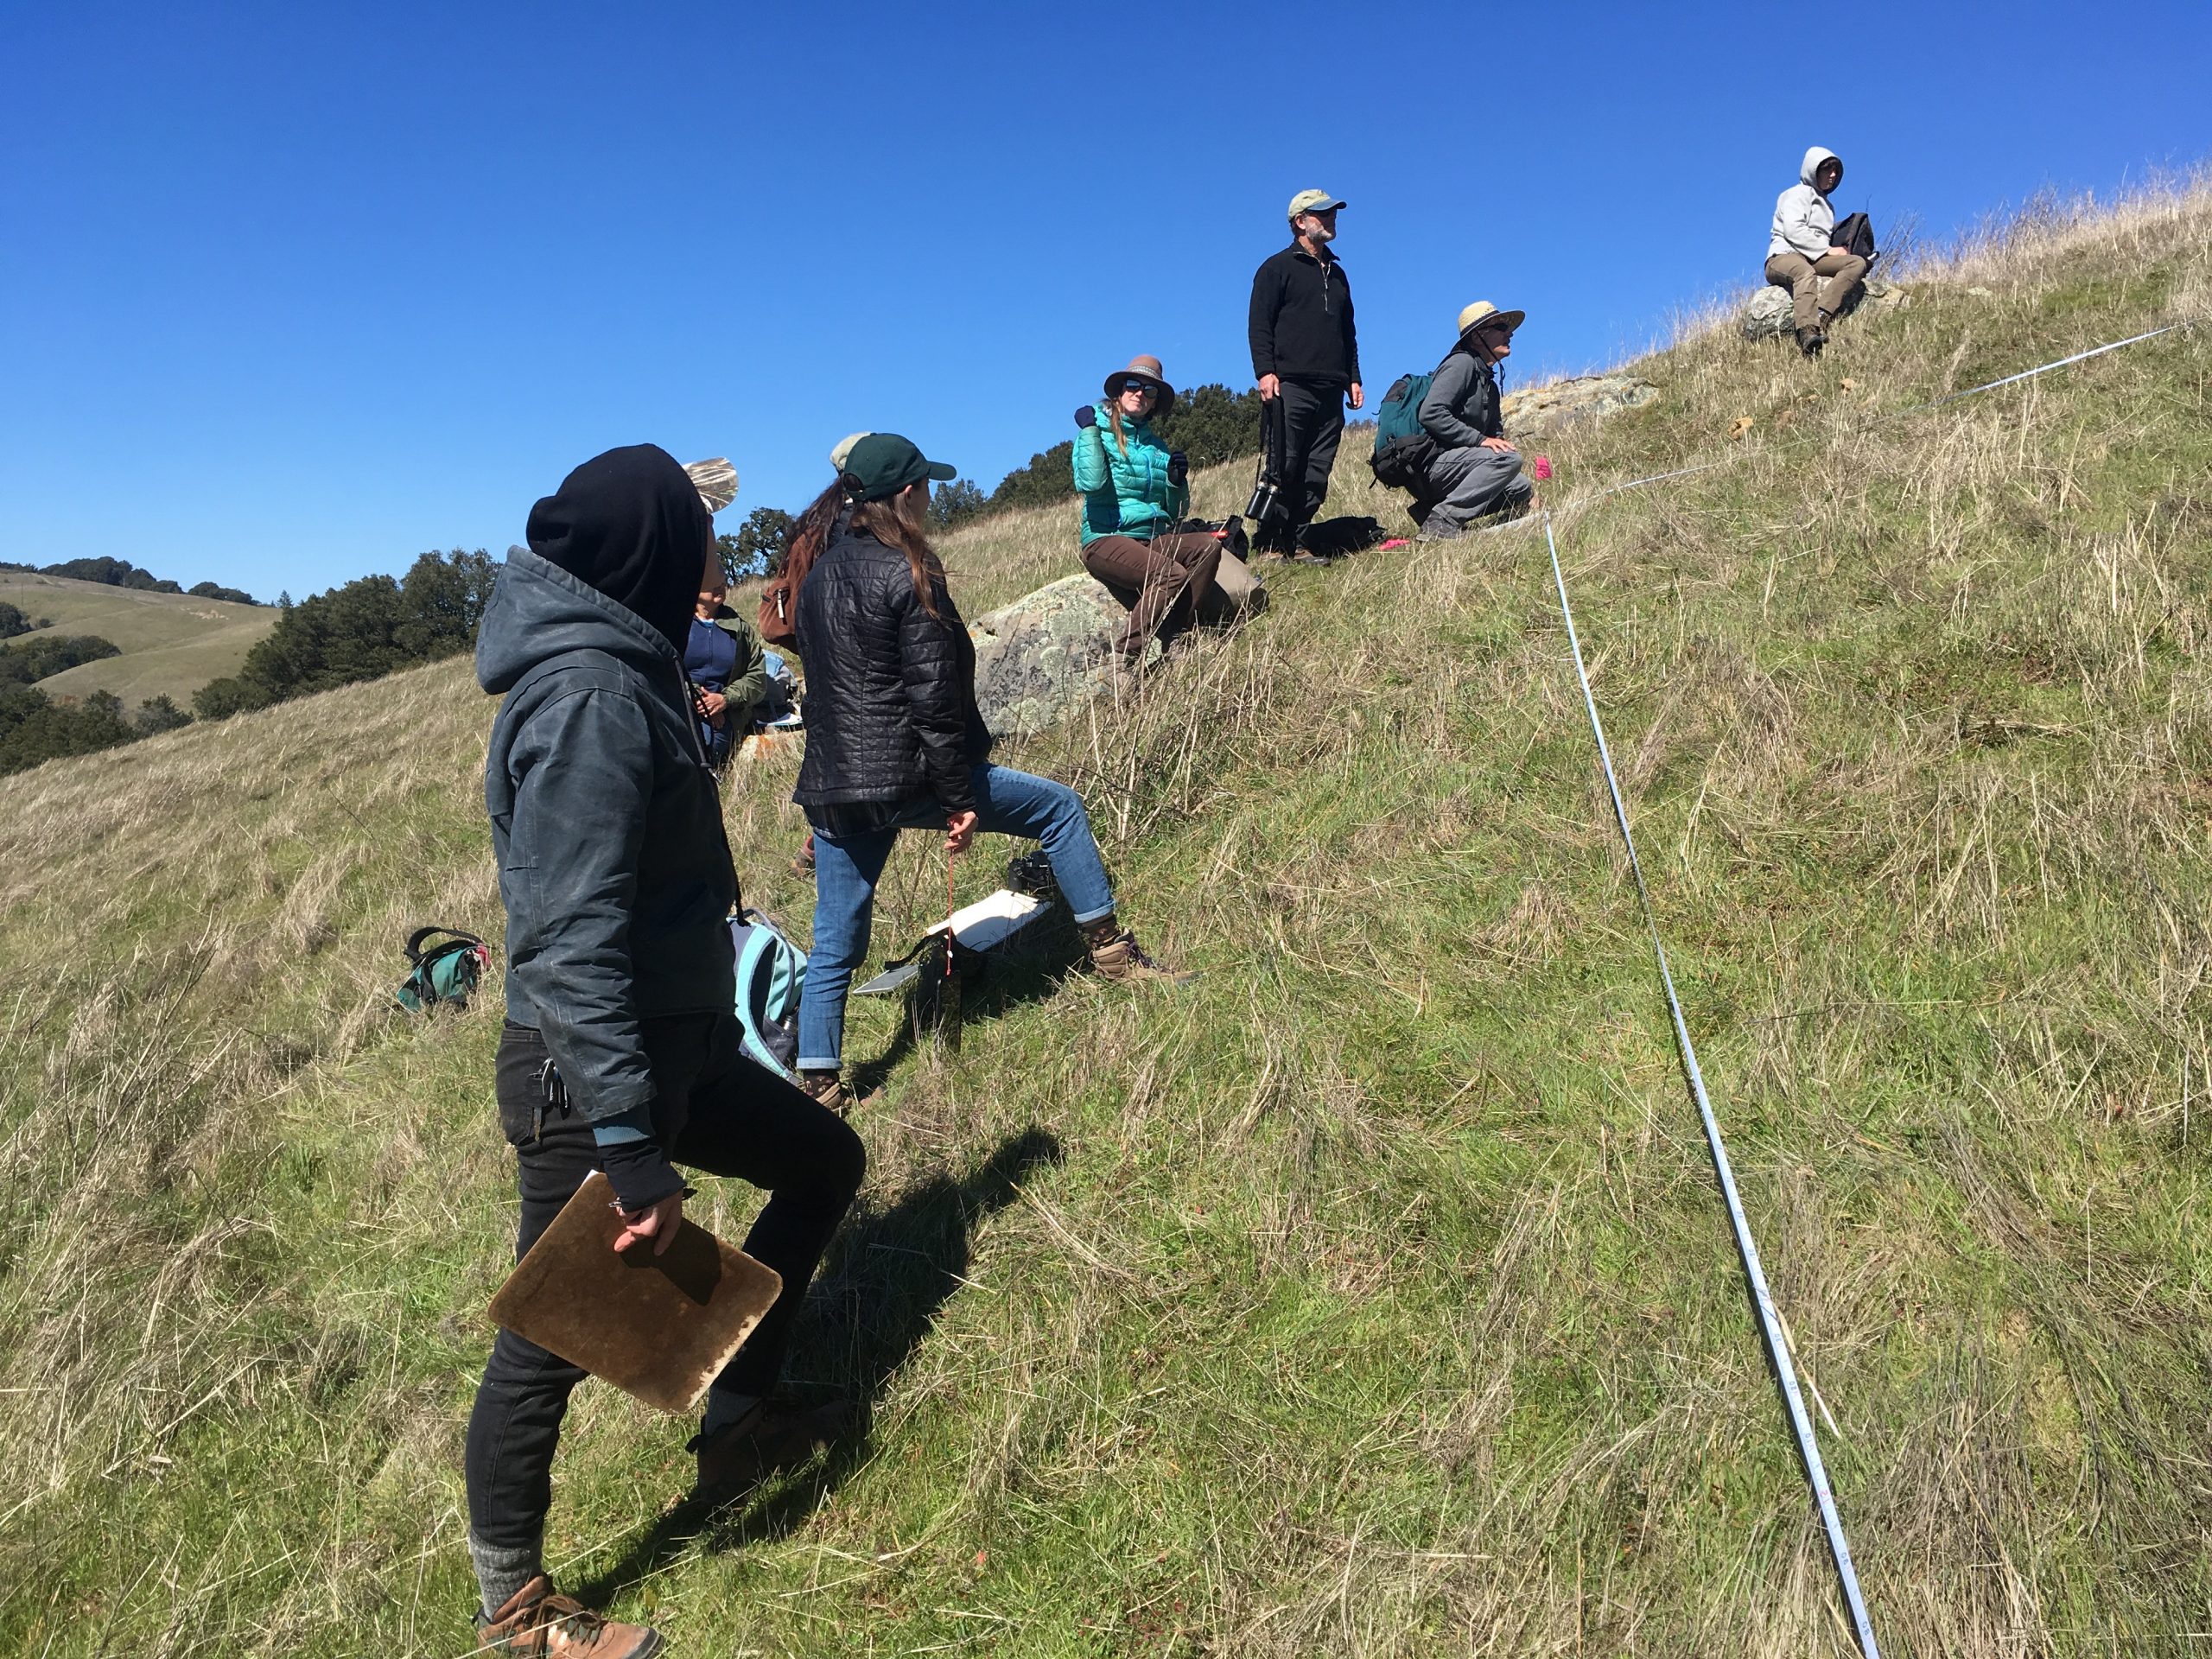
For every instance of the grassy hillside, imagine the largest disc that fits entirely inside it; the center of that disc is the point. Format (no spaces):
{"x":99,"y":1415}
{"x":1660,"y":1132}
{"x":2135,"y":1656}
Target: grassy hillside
{"x":171,"y":643}
{"x":1371,"y":1296}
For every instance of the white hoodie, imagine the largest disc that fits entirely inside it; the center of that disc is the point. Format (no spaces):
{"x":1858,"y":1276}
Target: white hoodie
{"x":1802,"y":218}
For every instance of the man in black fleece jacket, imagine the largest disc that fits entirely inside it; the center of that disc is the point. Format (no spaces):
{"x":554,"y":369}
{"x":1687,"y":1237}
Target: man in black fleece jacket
{"x":1305,"y":352}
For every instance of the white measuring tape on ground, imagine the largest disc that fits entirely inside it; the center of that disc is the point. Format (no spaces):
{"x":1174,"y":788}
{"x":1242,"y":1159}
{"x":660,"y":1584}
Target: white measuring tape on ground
{"x":1771,"y":1326}
{"x":1778,"y":1344}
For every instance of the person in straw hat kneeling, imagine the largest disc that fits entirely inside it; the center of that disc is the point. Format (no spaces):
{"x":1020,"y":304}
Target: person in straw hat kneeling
{"x":1472,"y":471}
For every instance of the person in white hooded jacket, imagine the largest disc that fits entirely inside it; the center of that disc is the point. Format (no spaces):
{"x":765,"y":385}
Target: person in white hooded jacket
{"x":1798,"y":256}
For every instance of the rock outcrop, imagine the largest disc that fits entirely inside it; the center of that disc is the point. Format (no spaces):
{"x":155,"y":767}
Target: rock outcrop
{"x":1767,"y":315}
{"x":1590,"y":397}
{"x":1048,"y":652}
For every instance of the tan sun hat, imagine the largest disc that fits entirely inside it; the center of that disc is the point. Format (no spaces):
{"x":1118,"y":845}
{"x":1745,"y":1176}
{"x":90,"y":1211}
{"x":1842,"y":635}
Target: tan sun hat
{"x":1313,"y":202}
{"x":715,"y":480}
{"x":841,"y":451}
{"x":1146,"y":369}
{"x":1482,"y":311}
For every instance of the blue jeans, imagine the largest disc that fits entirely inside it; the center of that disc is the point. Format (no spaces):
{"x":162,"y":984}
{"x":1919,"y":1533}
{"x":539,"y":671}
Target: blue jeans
{"x":846,"y":869}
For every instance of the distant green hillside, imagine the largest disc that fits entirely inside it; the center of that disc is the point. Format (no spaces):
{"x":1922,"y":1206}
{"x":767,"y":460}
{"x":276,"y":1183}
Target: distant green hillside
{"x":171,"y":643}
{"x":1371,"y":1296}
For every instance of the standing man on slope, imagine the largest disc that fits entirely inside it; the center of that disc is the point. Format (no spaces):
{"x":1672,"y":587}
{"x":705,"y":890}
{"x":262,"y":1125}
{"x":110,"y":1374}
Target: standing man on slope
{"x":1305,"y":354}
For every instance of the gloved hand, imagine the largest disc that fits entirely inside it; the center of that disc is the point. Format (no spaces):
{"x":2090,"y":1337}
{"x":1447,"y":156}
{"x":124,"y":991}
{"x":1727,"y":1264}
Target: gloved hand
{"x":1179,"y":468}
{"x":1087,"y":416}
{"x":640,"y":1174}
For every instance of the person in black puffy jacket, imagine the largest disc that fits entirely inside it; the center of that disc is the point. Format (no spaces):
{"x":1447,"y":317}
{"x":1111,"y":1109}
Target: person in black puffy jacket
{"x":894,"y":740}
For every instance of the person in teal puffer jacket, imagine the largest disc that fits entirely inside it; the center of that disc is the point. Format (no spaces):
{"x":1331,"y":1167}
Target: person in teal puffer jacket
{"x":1135,"y":493}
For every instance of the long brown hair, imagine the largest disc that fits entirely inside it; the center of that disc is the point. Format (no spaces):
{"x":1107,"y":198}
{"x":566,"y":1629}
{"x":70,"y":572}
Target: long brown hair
{"x":812,"y":533}
{"x":898,"y":522}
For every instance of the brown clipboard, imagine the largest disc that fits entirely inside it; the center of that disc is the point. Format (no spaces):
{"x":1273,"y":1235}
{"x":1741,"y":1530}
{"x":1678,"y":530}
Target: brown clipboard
{"x":658,"y":1327}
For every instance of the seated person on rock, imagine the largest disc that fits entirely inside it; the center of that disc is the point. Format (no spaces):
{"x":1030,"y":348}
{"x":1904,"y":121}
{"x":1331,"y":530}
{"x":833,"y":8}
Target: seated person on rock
{"x":1472,"y":470}
{"x":894,"y":740}
{"x":1823,"y":280}
{"x":727,"y":668}
{"x":1135,"y":491}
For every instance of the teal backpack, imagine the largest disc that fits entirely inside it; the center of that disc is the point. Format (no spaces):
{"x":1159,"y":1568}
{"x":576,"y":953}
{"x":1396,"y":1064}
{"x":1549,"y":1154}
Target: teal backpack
{"x":1402,"y":445}
{"x":445,"y":972}
{"x":771,"y":970}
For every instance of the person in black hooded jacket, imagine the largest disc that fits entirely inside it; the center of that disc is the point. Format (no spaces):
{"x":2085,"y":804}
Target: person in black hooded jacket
{"x":894,"y":740}
{"x":621,"y":1051}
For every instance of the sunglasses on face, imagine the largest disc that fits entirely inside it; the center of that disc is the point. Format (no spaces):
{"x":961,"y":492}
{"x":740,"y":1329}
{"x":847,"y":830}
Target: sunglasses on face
{"x":1137,"y":385}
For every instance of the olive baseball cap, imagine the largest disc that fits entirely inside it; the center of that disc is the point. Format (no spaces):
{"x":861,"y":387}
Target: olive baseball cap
{"x":1313,"y":202}
{"x":883,"y":463}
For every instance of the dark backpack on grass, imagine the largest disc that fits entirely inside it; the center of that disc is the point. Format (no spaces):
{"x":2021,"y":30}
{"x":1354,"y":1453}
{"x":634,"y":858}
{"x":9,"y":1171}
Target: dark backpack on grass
{"x":1854,"y":235}
{"x":445,"y":972}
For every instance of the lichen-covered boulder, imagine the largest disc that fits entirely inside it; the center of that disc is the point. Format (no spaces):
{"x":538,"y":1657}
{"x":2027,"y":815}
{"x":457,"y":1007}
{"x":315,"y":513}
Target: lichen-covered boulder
{"x":1046,"y":653}
{"x":1588,"y":397}
{"x":1767,"y":315}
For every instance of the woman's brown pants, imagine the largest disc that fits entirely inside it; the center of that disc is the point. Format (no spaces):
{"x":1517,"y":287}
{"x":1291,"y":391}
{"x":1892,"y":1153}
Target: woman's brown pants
{"x":1163,"y":582}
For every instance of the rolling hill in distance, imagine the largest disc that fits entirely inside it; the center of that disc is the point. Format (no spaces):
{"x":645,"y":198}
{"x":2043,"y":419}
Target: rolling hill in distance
{"x":1372,"y":1296}
{"x":171,"y":643}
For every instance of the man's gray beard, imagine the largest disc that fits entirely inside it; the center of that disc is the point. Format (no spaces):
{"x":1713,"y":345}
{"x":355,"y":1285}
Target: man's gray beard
{"x":1318,"y":234}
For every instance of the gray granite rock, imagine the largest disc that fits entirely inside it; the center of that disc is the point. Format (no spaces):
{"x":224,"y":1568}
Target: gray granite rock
{"x":1045,"y":654}
{"x":1590,"y":397}
{"x":1767,"y":315}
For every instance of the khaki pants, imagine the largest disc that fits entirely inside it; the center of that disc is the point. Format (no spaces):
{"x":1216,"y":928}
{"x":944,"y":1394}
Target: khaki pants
{"x":1162,"y":581}
{"x":1802,"y":277}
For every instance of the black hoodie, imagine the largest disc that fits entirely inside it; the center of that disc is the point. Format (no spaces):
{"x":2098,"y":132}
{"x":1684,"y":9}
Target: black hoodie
{"x":613,"y":866}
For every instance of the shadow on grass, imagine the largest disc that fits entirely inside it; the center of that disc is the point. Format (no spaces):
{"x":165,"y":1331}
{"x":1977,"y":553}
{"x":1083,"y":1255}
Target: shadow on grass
{"x":1027,"y":969}
{"x":887,"y":1276}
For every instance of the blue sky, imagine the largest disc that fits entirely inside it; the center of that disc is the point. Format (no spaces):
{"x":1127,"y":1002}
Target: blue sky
{"x":292,"y":294}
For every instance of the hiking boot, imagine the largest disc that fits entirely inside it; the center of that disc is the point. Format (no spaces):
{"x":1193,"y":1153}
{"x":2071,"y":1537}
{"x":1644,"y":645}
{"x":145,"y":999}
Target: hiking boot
{"x":1117,"y":956}
{"x":774,"y":1435}
{"x":537,"y":1624}
{"x":1810,"y":341}
{"x":826,"y":1089}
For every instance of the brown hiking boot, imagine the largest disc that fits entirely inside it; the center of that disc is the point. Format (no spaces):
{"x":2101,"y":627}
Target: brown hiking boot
{"x":774,"y":1435}
{"x":537,"y":1624}
{"x":826,"y":1089}
{"x":1119,"y":956}
{"x":1810,"y":340}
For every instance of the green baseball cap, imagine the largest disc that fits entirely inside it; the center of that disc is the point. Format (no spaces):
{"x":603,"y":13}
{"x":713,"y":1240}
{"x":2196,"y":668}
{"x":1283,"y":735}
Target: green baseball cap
{"x":883,"y":463}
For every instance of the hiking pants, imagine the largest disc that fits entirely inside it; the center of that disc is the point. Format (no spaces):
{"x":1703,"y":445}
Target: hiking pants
{"x":1166,"y":582}
{"x":1802,"y":277}
{"x":713,"y":1110}
{"x":1461,"y":485}
{"x":846,"y":869}
{"x":1313,"y":420}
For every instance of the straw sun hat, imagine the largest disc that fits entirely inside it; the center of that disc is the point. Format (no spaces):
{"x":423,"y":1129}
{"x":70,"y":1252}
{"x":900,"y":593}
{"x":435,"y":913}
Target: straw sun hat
{"x":1482,"y":313}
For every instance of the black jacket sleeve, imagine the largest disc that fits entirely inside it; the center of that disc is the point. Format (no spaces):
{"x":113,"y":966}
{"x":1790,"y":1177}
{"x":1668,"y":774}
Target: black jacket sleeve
{"x":1267,"y":300}
{"x":937,"y":702}
{"x":1352,"y":332}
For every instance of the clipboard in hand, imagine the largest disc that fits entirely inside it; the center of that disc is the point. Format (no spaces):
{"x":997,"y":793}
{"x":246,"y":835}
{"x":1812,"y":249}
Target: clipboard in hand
{"x":658,"y":1327}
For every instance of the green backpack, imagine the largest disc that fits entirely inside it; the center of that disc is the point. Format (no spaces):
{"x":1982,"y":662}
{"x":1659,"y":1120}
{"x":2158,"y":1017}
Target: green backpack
{"x":1402,"y":445}
{"x":445,"y":972}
